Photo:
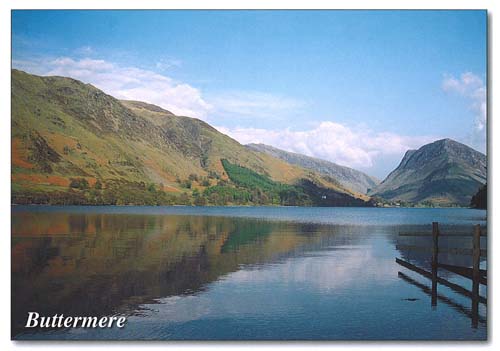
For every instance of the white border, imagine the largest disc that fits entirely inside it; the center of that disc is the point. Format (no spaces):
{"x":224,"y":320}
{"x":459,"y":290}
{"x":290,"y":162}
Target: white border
{"x":5,"y":20}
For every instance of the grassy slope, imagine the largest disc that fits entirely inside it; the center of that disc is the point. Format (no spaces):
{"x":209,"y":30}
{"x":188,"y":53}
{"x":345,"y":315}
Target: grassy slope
{"x":94,"y":135}
{"x":62,"y":129}
{"x":198,"y":140}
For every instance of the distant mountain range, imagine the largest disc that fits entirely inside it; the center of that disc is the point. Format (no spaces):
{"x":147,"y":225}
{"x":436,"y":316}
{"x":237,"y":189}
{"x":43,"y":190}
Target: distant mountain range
{"x":444,"y":172}
{"x":73,"y":144}
{"x":347,"y":177}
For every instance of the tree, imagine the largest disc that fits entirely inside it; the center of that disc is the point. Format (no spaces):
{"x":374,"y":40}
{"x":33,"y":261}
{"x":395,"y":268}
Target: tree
{"x":214,"y":199}
{"x":184,"y":199}
{"x":200,"y":201}
{"x":79,"y":183}
{"x":480,"y":199}
{"x":193,"y":177}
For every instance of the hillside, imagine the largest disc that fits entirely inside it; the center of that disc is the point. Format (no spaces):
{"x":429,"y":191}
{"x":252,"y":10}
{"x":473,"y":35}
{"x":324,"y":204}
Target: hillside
{"x":443,"y":173}
{"x":72,"y":143}
{"x":347,"y":177}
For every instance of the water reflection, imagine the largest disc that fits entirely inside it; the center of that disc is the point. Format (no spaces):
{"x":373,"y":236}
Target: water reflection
{"x":212,"y":277}
{"x":96,"y":264}
{"x":437,"y":258}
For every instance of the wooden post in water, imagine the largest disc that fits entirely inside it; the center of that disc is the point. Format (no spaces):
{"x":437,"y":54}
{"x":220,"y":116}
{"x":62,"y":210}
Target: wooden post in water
{"x":434,"y":263}
{"x":476,"y":256}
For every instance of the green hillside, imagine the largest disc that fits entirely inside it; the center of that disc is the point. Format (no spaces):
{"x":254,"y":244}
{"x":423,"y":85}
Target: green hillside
{"x":74,"y":144}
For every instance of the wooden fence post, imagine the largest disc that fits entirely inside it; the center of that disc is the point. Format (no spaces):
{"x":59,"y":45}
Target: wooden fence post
{"x":434,"y":263}
{"x":476,"y":257}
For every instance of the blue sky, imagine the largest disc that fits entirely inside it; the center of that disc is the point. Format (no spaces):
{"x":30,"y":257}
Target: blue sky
{"x":354,"y":87}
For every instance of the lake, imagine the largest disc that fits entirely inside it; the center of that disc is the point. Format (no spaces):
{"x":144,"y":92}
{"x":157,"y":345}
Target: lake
{"x":240,"y":273}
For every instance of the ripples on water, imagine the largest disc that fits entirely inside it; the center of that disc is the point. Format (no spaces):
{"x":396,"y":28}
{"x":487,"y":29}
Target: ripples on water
{"x":234,"y":273}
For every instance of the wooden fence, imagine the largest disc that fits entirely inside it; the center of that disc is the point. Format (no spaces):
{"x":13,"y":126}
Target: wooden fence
{"x":477,"y":275}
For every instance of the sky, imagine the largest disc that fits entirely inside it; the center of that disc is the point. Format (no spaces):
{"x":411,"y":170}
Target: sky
{"x":358,"y":88}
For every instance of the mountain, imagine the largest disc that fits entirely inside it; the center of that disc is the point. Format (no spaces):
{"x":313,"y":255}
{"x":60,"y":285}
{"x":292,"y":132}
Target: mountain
{"x":347,"y":177}
{"x":72,"y":143}
{"x":444,"y":173}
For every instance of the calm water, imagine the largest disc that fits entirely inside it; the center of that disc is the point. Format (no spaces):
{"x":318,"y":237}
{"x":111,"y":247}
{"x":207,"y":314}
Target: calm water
{"x":238,"y":272}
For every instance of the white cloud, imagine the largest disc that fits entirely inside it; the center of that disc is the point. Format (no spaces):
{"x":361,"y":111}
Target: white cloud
{"x":473,"y":88}
{"x":27,"y":65}
{"x":325,"y":271}
{"x":166,"y":63}
{"x":255,"y":104}
{"x":333,"y":141}
{"x":84,"y":50}
{"x":357,"y":147}
{"x":322,"y":271}
{"x":130,"y":83}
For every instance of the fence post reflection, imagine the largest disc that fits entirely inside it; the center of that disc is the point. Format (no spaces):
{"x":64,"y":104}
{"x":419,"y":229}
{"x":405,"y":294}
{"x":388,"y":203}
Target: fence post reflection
{"x":475,"y":273}
{"x":476,"y":254}
{"x":434,"y":263}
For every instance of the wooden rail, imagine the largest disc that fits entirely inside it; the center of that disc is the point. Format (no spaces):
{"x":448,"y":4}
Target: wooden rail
{"x":452,"y":250}
{"x":477,"y":275}
{"x":465,"y":272}
{"x":455,"y":287}
{"x":424,"y":234}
